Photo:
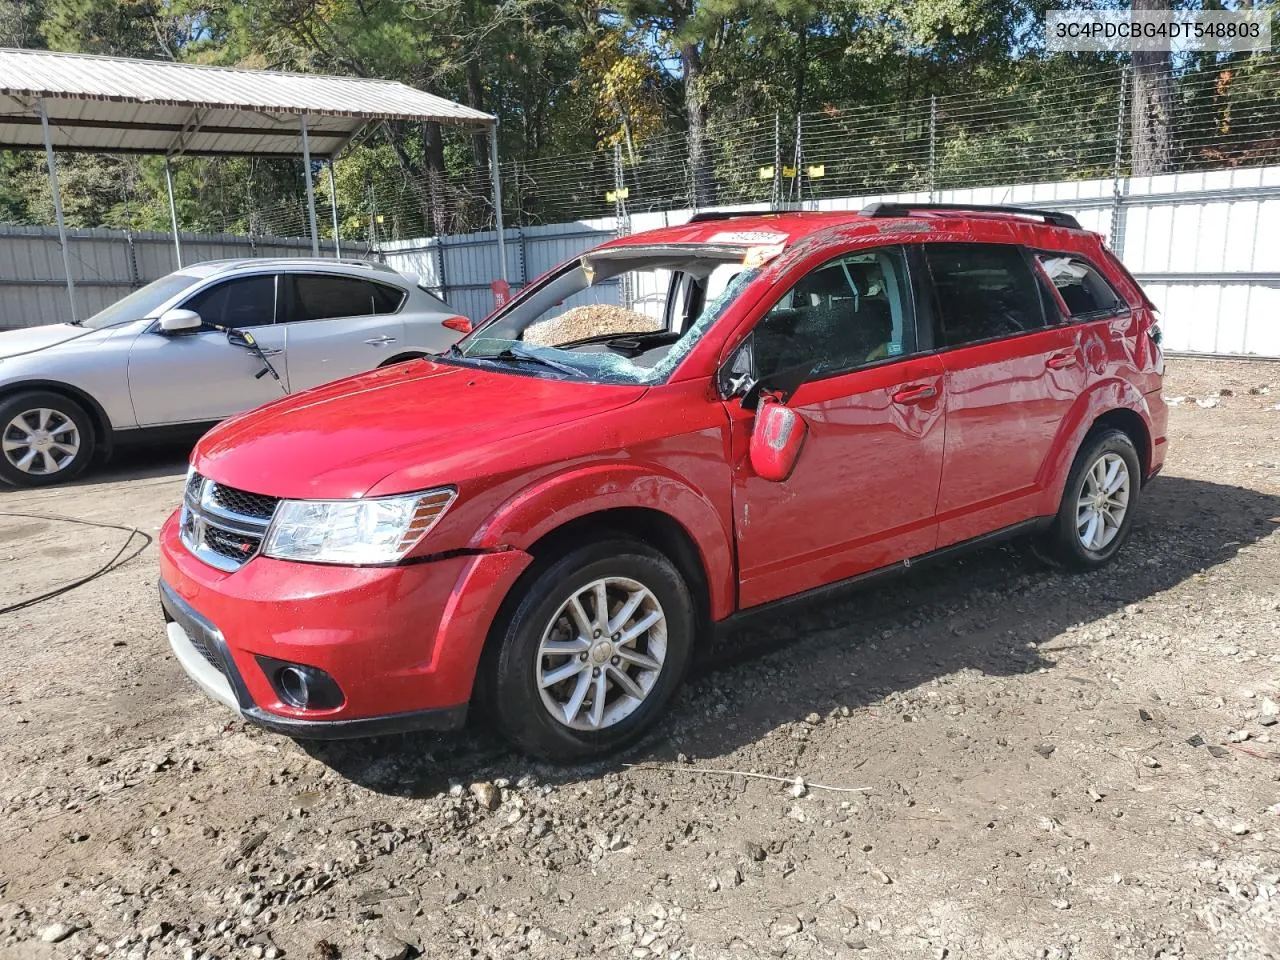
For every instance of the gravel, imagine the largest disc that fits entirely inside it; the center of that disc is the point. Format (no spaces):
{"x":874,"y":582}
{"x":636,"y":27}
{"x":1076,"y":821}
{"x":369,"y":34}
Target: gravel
{"x":1058,"y":766}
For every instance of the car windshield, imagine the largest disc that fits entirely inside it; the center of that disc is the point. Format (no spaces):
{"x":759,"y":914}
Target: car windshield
{"x":621,"y":315}
{"x":143,"y":302}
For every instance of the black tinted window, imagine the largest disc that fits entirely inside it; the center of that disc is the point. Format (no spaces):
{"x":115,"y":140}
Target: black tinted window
{"x":1082,"y":287}
{"x":246,"y":302}
{"x":320,"y":297}
{"x":984,"y":291}
{"x":845,"y":314}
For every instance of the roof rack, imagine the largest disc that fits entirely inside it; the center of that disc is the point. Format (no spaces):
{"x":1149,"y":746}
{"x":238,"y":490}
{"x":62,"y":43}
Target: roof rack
{"x":703,"y":216}
{"x":1051,"y":217}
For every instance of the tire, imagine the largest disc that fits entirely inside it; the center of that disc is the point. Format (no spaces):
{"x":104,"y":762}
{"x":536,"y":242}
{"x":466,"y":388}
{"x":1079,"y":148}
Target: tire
{"x":403,"y":358}
{"x":34,"y":457}
{"x":515,"y":661}
{"x":1082,"y":537}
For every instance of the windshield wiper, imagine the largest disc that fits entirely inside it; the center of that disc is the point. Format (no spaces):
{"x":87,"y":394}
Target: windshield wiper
{"x":511,"y":353}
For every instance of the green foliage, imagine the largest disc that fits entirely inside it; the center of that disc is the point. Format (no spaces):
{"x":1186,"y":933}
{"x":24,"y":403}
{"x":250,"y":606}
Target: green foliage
{"x":573,"y":79}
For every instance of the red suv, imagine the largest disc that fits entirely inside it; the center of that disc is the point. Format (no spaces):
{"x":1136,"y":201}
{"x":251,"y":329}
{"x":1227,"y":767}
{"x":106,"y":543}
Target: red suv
{"x":551,"y":518}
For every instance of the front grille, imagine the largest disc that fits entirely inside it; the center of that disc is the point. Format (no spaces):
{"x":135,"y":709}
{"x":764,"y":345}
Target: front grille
{"x":246,"y":504}
{"x":224,"y":526}
{"x":234,"y":546}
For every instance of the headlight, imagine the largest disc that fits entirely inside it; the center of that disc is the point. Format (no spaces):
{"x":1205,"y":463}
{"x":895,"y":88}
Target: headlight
{"x":377,"y":530}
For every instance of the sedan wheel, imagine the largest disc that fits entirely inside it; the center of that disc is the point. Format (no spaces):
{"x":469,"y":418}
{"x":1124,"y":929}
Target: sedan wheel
{"x":45,"y":438}
{"x":41,"y":441}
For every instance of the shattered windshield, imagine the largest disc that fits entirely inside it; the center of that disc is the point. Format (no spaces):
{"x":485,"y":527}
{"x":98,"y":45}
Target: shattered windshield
{"x":625,"y":316}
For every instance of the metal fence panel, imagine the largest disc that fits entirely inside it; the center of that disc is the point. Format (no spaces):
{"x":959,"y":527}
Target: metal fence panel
{"x":107,"y":264}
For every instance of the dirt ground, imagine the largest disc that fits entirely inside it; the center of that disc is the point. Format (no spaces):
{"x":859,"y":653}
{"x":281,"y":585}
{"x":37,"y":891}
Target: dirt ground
{"x":1056,"y":766}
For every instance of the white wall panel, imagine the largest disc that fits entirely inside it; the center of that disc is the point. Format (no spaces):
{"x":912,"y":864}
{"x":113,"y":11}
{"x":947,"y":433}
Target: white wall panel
{"x":1186,"y":237}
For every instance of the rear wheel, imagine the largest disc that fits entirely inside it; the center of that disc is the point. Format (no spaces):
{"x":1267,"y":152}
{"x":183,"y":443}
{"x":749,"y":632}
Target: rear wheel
{"x":593,"y":651}
{"x":45,"y":438}
{"x":1098,"y":504}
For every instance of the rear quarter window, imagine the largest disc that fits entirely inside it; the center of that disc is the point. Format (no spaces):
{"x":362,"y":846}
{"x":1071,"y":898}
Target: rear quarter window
{"x":325,"y":296}
{"x":1081,"y":285}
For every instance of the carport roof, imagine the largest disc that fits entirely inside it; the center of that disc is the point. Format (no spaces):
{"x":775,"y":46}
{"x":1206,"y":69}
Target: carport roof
{"x":118,"y":105}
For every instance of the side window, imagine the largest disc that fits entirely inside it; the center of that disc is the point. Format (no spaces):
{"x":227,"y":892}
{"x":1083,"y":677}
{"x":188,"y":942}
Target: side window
{"x":315,"y":296}
{"x":1083,"y":289}
{"x":245,"y":302}
{"x":845,"y":314}
{"x":985,"y":290}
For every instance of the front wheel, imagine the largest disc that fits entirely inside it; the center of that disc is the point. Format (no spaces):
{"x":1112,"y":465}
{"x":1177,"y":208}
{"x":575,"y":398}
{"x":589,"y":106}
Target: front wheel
{"x":1098,"y":504}
{"x":45,"y":438}
{"x":592,"y":653}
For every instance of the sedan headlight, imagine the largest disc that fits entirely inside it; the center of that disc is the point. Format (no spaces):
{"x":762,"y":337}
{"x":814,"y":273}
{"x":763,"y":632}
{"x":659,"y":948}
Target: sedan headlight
{"x":376,"y":530}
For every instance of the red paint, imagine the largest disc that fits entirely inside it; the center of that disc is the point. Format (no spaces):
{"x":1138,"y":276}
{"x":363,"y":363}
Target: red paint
{"x":897,"y":459}
{"x":777,"y":437}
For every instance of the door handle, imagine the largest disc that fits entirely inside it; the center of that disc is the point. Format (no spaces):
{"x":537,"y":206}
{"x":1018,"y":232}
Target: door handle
{"x":1060,"y":361}
{"x":272,"y":352}
{"x":916,"y":394}
{"x":381,"y":341}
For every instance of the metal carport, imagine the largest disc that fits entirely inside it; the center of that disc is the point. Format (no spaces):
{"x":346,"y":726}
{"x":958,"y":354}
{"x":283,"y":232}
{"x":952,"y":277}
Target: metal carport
{"x":120,"y":105}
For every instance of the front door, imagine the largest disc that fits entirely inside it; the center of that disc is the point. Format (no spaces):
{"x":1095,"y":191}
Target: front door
{"x":863,"y":492}
{"x":200,"y":377}
{"x":1013,"y":371}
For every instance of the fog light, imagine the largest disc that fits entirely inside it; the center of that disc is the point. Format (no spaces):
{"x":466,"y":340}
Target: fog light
{"x":300,"y":686}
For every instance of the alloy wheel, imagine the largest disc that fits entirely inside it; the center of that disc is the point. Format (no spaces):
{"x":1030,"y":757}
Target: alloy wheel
{"x":1103,"y":502}
{"x":602,"y":653}
{"x":41,"y":441}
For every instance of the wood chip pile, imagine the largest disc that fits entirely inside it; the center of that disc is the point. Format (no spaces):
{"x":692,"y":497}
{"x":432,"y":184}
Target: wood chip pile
{"x":589,"y":320}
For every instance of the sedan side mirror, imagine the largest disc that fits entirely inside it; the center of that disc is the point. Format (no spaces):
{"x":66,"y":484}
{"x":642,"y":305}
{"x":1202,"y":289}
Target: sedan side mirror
{"x":776,"y":439}
{"x":180,"y":321}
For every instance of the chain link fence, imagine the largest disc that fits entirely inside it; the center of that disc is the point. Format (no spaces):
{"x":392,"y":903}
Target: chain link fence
{"x":1076,"y":126}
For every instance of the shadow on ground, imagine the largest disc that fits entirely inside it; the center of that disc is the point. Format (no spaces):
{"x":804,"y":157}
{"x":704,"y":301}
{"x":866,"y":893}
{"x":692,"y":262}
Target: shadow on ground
{"x":987,"y":611}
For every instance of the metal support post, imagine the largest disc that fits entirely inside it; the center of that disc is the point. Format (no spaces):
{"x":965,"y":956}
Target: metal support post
{"x":57,"y":208}
{"x":496,"y":174}
{"x":1116,"y":238}
{"x":311,"y":196}
{"x":933,"y":148}
{"x":173,"y":211}
{"x":333,"y":206}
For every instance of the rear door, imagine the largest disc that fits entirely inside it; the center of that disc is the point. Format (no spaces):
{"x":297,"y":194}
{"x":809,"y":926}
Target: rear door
{"x":339,"y":325}
{"x":1013,"y":370}
{"x":200,"y":376}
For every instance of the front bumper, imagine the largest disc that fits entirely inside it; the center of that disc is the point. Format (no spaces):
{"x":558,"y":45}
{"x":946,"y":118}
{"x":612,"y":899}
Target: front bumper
{"x":402,"y":642}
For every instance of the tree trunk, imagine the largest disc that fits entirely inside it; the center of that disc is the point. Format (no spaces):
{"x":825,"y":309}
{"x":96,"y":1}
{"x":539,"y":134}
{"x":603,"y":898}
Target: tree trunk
{"x":801,"y":68}
{"x":433,"y":154}
{"x":696,"y":109}
{"x":1152,"y":105}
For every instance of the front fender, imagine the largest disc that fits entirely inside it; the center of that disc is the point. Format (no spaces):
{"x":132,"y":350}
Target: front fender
{"x":1103,"y":397}
{"x":550,"y":503}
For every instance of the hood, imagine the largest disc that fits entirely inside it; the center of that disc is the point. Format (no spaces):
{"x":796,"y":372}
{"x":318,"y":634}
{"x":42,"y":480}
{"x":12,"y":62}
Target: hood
{"x":339,"y":440}
{"x":30,"y":339}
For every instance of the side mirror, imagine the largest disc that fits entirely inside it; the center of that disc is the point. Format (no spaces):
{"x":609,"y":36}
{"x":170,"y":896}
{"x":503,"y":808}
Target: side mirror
{"x":776,"y":439}
{"x":180,"y":321}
